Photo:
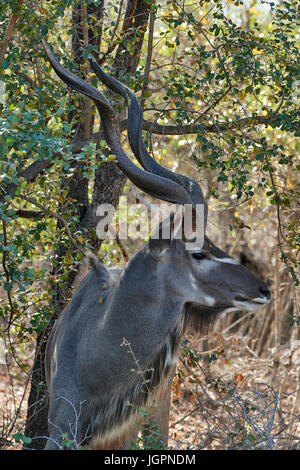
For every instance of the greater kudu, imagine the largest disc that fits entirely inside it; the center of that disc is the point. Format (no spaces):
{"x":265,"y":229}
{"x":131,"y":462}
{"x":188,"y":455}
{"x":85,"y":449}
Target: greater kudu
{"x":113,"y":351}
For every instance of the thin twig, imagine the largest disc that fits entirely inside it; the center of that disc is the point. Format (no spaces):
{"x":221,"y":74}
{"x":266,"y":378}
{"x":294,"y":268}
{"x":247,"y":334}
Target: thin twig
{"x":9,"y":33}
{"x":87,"y":101}
{"x":123,"y":31}
{"x":149,"y":57}
{"x":7,"y":276}
{"x":57,"y":216}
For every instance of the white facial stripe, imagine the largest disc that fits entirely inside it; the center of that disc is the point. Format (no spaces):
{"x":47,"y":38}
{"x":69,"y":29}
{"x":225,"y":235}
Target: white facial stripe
{"x":209,"y":301}
{"x":194,"y":282}
{"x":250,"y":306}
{"x":225,"y":260}
{"x":261,"y":300}
{"x":230,"y":309}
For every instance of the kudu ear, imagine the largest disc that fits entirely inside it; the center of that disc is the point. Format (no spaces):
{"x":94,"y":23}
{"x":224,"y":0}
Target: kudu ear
{"x":169,"y":229}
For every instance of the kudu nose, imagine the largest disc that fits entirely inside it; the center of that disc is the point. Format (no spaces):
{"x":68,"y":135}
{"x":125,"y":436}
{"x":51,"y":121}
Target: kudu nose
{"x":265,"y":291}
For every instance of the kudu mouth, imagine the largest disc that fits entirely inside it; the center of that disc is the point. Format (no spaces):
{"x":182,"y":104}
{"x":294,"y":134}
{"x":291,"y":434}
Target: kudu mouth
{"x":253,"y":301}
{"x":263,"y":299}
{"x":264,"y":294}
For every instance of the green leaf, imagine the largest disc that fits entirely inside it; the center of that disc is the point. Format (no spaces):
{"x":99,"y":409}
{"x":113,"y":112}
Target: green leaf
{"x":20,"y":437}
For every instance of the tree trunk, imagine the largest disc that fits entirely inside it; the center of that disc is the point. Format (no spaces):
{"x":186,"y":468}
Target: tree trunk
{"x":108,"y":186}
{"x":36,"y":423}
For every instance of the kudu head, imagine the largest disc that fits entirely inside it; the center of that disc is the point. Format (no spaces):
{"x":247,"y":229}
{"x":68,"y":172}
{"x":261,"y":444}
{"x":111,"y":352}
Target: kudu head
{"x":204,"y":278}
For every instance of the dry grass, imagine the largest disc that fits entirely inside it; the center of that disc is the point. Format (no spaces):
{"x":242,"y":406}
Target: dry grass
{"x":237,"y":402}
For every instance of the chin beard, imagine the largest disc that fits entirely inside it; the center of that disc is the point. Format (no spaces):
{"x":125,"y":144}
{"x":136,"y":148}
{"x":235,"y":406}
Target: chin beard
{"x":199,"y":319}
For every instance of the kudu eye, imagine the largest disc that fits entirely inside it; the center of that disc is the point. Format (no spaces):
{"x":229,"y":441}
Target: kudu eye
{"x":199,"y":256}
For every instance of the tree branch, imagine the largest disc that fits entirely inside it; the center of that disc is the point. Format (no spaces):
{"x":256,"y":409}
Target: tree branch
{"x":57,"y":216}
{"x":113,"y":44}
{"x":29,"y":214}
{"x":8,"y":34}
{"x":149,"y":56}
{"x":214,"y":128}
{"x":7,"y":275}
{"x":162,"y":129}
{"x":29,"y":80}
{"x":87,"y":101}
{"x":123,"y":31}
{"x":31,"y":172}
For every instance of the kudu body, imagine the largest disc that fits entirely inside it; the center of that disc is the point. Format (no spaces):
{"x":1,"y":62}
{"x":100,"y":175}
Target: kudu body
{"x":113,"y":351}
